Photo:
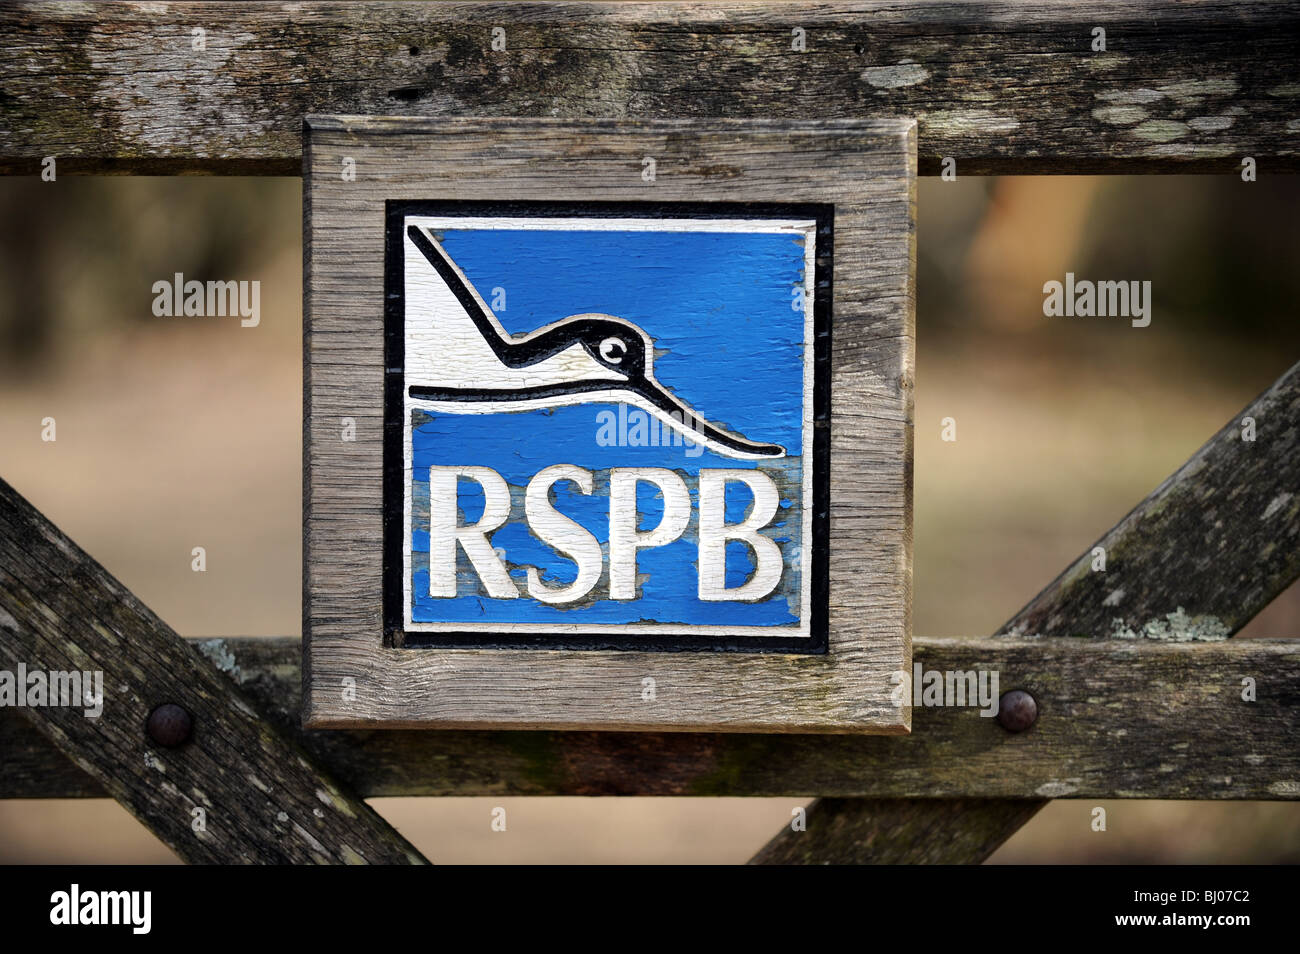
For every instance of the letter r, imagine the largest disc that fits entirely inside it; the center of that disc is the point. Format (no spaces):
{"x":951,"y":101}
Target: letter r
{"x":445,"y":532}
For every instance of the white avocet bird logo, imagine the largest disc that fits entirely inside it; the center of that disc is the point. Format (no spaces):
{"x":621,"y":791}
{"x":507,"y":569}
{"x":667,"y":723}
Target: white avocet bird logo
{"x":472,"y":362}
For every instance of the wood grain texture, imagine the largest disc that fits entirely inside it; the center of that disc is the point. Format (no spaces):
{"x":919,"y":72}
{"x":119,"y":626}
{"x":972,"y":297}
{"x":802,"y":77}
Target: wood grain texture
{"x":1001,"y":86}
{"x":898,"y":831}
{"x":865,"y":169}
{"x":1130,"y":719}
{"x":264,"y":798}
{"x":1207,"y":550}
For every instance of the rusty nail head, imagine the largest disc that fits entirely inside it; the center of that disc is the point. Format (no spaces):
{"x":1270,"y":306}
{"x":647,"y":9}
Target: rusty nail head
{"x":169,"y":725}
{"x":1017,"y":710}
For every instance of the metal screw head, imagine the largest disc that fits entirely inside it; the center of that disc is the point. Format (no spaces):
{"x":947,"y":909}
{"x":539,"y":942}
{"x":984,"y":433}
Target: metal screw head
{"x":169,"y":725}
{"x":1017,"y":710}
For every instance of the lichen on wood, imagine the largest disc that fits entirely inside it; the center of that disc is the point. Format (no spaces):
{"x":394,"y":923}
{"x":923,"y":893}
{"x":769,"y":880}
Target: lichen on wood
{"x":1001,"y":86}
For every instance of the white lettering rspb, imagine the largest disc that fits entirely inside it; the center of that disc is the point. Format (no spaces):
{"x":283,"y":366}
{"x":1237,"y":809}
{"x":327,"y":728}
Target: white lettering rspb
{"x":578,"y":544}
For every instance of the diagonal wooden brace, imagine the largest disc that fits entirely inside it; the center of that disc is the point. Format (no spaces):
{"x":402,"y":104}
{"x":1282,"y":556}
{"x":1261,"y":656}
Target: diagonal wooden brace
{"x":238,"y":790}
{"x":1196,"y":560}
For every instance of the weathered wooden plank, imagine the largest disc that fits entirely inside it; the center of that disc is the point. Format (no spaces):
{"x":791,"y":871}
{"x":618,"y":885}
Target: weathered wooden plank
{"x":237,"y":791}
{"x":1207,"y":550}
{"x":898,"y":831}
{"x":1001,"y":86}
{"x":1118,"y":719}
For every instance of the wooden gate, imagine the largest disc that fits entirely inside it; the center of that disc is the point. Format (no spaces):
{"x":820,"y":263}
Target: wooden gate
{"x":1153,"y":711}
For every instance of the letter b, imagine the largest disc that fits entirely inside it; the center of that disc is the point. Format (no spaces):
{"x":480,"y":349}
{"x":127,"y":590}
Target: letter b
{"x":714,"y":534}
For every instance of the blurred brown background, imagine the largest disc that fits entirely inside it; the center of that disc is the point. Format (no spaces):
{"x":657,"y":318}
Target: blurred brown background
{"x":176,"y":433}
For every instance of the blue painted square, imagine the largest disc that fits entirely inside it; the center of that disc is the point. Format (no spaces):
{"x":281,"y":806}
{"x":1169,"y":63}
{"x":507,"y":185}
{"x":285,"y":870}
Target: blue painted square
{"x":731,"y":339}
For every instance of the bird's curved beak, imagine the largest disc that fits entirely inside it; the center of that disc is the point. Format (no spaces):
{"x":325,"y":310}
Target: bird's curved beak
{"x":685,"y":420}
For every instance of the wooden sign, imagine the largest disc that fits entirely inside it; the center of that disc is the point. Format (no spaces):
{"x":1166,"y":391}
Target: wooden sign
{"x":608,"y":423}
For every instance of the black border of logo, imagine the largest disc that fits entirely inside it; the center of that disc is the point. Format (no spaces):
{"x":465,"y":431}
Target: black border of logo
{"x":394,"y":364}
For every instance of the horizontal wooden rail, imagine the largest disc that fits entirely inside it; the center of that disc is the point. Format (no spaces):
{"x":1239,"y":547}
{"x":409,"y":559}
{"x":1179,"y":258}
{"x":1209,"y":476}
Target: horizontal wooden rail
{"x":1118,"y":719}
{"x":1000,"y":86}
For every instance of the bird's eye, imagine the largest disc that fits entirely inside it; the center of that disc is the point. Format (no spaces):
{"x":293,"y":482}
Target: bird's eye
{"x":612,"y":350}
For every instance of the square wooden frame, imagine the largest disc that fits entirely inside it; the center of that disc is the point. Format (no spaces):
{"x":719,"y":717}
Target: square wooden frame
{"x":866,"y":169}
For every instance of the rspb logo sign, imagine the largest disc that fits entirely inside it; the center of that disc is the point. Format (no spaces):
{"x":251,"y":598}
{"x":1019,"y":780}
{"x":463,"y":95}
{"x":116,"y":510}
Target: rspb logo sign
{"x":607,"y":425}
